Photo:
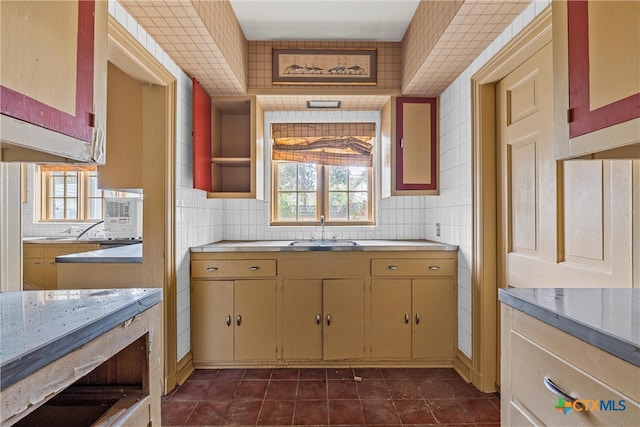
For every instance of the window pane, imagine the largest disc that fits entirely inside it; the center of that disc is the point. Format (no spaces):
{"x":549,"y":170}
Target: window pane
{"x":72,"y":209}
{"x":287,"y":176}
{"x":57,"y":208}
{"x":307,"y":206}
{"x":95,"y":208}
{"x":94,"y":191}
{"x":72,"y":185}
{"x":358,"y":207}
{"x":358,"y":178}
{"x":338,"y":178}
{"x":287,"y":206}
{"x":338,"y":206}
{"x":57,"y":186}
{"x":307,"y":177}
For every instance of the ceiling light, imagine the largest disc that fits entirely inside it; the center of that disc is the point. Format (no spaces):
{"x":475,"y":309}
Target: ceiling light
{"x":323,"y":104}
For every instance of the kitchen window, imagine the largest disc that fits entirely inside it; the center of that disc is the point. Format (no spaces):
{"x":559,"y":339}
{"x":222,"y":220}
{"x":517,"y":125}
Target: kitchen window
{"x":317,"y":175}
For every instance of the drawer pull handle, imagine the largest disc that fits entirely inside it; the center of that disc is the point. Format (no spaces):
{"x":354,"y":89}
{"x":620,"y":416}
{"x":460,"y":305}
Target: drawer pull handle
{"x":318,"y":318}
{"x":38,"y":263}
{"x":417,"y":318}
{"x":238,"y":320}
{"x":392,"y":267}
{"x":406,"y":318}
{"x":434,"y":267}
{"x":553,"y":388}
{"x":228,"y":320}
{"x":254,"y":268}
{"x":328,"y":320}
{"x":212,"y":269}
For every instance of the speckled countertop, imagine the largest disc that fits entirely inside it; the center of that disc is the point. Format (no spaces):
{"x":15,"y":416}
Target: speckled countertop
{"x":128,"y":254}
{"x":39,"y":327}
{"x":287,"y":246}
{"x":608,"y":318}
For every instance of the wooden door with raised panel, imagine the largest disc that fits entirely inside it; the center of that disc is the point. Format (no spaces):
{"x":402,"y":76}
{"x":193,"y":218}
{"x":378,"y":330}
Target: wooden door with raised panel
{"x":255,"y":319}
{"x":302,"y":328}
{"x":343,"y":331}
{"x":434,"y":318}
{"x":212,"y":327}
{"x":391,"y":318}
{"x":561,"y":224}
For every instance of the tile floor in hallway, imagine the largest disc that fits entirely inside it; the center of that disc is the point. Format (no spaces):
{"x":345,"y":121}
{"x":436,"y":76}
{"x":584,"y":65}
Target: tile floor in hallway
{"x":329,"y":397}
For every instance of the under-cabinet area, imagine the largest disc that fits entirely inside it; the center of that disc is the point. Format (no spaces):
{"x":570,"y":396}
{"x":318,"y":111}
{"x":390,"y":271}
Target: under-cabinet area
{"x":324,"y":308}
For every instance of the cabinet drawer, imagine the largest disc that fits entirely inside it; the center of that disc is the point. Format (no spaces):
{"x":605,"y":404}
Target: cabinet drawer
{"x":413,"y":267}
{"x":215,"y":269}
{"x":33,"y":251}
{"x":530,"y":364}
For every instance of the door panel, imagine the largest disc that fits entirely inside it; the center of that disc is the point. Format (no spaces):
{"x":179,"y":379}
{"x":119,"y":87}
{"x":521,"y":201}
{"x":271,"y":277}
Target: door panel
{"x":343,"y":302}
{"x":390,"y":331}
{"x":434,"y":323}
{"x":211,"y":336}
{"x":302,"y":338}
{"x":255,"y":320}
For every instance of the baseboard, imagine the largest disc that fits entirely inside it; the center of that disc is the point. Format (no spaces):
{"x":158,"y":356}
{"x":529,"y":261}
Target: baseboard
{"x":185,"y":368}
{"x":462,"y":365}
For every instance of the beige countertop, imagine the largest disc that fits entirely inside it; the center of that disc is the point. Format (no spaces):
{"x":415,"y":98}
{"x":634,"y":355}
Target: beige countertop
{"x":323,"y":245}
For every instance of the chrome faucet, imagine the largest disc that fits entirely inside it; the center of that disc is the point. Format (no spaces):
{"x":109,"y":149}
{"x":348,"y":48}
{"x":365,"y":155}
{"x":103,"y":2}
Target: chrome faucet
{"x":68,"y":230}
{"x":88,"y":228}
{"x":322,"y":225}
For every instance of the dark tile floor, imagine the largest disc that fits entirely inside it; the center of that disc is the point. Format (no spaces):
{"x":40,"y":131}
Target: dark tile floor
{"x":323,"y":397}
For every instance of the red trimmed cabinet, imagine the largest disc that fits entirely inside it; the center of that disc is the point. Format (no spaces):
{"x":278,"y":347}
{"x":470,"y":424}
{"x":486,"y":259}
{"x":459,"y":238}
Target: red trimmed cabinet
{"x":597,"y":79}
{"x":53,"y":81}
{"x":227,"y":145}
{"x":415,"y":146}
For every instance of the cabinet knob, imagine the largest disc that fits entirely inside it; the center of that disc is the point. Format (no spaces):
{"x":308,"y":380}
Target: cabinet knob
{"x":434,"y":267}
{"x":392,"y":267}
{"x":228,"y":320}
{"x":238,"y":320}
{"x":553,"y":388}
{"x":318,"y":318}
{"x":406,"y":318}
{"x":328,"y":320}
{"x":212,"y":268}
{"x":254,"y":268}
{"x":401,"y":142}
{"x":52,"y":263}
{"x":417,"y":318}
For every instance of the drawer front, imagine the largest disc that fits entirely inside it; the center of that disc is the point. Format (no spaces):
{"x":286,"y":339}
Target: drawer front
{"x":33,"y":251}
{"x":323,"y":268}
{"x":413,"y":267}
{"x":530,"y":364}
{"x":214,"y":269}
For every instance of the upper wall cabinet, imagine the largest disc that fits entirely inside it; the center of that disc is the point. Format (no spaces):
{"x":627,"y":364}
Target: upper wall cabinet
{"x":597,"y":79}
{"x":414,"y":146}
{"x":227,"y":145}
{"x":53,"y":80}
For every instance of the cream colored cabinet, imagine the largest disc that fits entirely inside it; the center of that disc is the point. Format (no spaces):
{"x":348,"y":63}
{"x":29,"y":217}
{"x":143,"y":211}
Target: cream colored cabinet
{"x":323,"y":319}
{"x":537,"y":358}
{"x":40,"y":270}
{"x":596,"y":86}
{"x":53,"y":91}
{"x":413,"y":317}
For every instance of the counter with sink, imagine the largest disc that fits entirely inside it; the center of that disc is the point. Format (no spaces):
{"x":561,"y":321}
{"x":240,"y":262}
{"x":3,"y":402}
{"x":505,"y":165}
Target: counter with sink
{"x":327,"y":244}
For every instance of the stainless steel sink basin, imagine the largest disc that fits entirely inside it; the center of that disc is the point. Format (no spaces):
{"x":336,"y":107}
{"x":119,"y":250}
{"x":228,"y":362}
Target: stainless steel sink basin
{"x":324,"y":243}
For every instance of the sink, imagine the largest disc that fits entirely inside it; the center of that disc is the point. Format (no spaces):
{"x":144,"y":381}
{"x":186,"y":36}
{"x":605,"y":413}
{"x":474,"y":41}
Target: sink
{"x":323,"y":243}
{"x":49,"y":238}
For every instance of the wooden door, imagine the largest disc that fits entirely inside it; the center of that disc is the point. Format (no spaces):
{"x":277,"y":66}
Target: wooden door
{"x":33,"y":274}
{"x":343,"y":332}
{"x":391,"y":318}
{"x":302,"y":329}
{"x":561,"y":224}
{"x":211,"y":320}
{"x":434,"y":318}
{"x":255,"y":320}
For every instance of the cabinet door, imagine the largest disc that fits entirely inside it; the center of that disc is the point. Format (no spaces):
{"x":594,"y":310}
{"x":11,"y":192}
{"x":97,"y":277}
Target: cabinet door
{"x":391,"y":318}
{"x":53,"y":76}
{"x":212,"y":320}
{"x":434,"y":321}
{"x":255,"y":320}
{"x":33,"y":274}
{"x":416,"y":146}
{"x":302,"y":338}
{"x":343,"y":302}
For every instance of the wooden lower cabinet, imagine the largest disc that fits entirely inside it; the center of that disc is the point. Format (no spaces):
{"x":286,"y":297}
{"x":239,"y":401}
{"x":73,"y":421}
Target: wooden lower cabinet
{"x":323,"y":309}
{"x":233,"y":320}
{"x":323,"y":319}
{"x":40,"y":270}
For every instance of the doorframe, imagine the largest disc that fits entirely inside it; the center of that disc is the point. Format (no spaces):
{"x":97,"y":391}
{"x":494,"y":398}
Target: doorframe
{"x":487,"y":266}
{"x":159,"y":266}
